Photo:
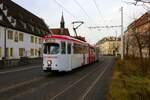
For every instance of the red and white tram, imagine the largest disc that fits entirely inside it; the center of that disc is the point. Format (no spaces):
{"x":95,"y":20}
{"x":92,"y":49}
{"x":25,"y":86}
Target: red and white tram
{"x":64,"y":53}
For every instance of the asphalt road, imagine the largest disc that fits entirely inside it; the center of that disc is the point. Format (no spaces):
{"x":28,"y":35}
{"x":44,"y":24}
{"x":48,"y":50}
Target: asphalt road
{"x":31,"y":83}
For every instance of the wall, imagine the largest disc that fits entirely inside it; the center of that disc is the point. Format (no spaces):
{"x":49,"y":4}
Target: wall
{"x":26,"y":44}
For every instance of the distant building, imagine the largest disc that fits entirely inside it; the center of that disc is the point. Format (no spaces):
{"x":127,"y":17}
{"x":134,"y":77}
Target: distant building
{"x":20,"y":32}
{"x":141,"y":27}
{"x":62,"y":30}
{"x":109,"y":46}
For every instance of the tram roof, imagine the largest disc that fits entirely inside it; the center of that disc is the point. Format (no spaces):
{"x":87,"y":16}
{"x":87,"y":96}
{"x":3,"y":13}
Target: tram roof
{"x":64,"y":37}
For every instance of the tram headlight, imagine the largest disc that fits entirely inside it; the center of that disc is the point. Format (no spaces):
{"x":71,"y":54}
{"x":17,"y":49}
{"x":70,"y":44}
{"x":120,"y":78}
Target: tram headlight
{"x":49,"y":62}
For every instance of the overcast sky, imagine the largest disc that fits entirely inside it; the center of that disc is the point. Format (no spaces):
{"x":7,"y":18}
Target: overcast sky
{"x":105,"y":13}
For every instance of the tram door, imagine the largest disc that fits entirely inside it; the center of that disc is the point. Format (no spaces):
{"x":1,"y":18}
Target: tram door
{"x":69,"y":54}
{"x":65,"y":55}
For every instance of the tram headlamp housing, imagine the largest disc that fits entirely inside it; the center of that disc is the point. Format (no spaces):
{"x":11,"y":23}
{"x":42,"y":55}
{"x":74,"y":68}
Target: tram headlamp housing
{"x":49,"y":62}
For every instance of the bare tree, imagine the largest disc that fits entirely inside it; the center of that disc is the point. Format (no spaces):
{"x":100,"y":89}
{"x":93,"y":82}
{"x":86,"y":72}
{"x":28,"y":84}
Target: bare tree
{"x":144,"y":3}
{"x":136,"y":2}
{"x":141,"y":41}
{"x":132,"y":45}
{"x":137,"y":42}
{"x":127,"y":46}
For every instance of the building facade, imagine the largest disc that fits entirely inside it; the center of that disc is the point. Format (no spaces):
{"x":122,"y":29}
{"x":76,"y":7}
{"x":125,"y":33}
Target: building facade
{"x":138,"y":30}
{"x":109,"y":46}
{"x":20,"y":32}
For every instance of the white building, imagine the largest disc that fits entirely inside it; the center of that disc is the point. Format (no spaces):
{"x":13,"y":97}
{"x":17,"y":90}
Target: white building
{"x":20,"y":32}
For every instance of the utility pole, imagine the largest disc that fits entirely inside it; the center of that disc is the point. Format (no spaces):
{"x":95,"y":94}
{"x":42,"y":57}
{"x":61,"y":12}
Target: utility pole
{"x":116,"y":46}
{"x":122,"y":35}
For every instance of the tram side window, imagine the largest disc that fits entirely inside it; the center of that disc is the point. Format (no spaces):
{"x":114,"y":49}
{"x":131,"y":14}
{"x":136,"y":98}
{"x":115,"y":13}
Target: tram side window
{"x":69,"y":48}
{"x":77,"y":48}
{"x":63,"y":48}
{"x":85,"y":49}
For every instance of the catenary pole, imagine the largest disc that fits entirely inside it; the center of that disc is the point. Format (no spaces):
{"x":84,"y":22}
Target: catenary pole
{"x":122,"y":35}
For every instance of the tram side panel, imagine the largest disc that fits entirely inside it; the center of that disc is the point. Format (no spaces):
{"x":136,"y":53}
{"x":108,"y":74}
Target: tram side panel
{"x":92,"y":55}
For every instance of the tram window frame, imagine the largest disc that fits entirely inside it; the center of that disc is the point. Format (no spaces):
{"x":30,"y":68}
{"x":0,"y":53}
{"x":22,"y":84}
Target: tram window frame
{"x":68,"y":48}
{"x":63,"y":47}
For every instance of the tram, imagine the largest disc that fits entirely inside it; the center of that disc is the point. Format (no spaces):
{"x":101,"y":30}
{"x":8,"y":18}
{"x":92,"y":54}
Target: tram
{"x":65,"y":53}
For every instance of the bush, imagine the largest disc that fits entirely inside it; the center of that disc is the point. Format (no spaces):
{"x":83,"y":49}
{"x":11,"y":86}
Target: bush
{"x":128,"y":82}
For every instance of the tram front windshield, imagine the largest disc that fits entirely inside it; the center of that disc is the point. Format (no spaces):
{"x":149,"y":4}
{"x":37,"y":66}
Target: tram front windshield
{"x":51,"y":48}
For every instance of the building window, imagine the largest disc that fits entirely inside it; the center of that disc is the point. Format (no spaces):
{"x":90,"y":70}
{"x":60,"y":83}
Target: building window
{"x":11,"y":52}
{"x":21,"y":52}
{"x":20,"y":36}
{"x":0,"y":52}
{"x":10,"y":34}
{"x":32,"y":52}
{"x":32,"y":28}
{"x":63,"y":48}
{"x":32,"y":39}
{"x":36,"y":52}
{"x":40,"y":52}
{"x":1,"y":17}
{"x":23,"y":24}
{"x":35,"y":39}
{"x":16,"y":36}
{"x":40,"y":40}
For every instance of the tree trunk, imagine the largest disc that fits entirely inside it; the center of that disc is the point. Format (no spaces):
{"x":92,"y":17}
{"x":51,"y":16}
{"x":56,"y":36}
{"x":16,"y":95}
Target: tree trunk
{"x":127,"y":50}
{"x":141,"y":55}
{"x":149,"y":44}
{"x":139,"y":46}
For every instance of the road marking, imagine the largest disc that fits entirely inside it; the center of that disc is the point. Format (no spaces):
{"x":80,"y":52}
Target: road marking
{"x":29,"y":91}
{"x":18,"y":70}
{"x":20,"y":84}
{"x":94,"y":83}
{"x":54,"y":97}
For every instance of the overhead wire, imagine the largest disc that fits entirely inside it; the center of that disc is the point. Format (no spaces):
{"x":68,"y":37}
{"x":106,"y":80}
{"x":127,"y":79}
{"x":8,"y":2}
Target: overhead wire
{"x":70,"y":13}
{"x":99,"y":12}
{"x":60,"y":5}
{"x":82,"y":9}
{"x":98,"y":9}
{"x":85,"y":12}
